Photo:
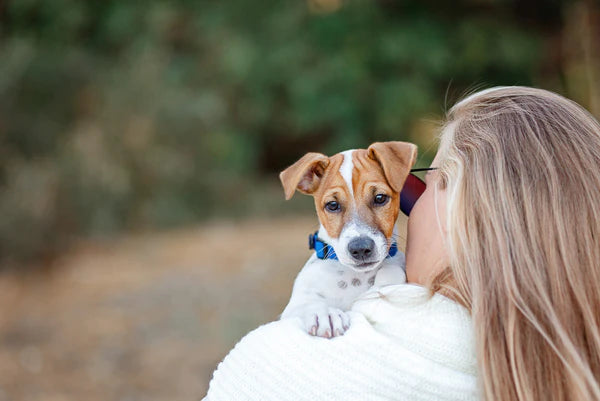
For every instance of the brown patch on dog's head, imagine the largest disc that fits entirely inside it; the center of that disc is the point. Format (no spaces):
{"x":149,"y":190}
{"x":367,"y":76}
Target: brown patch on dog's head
{"x":304,"y":175}
{"x":333,"y":189}
{"x":396,"y":160}
{"x":381,"y":170}
{"x":378,"y":172}
{"x":318,"y":175}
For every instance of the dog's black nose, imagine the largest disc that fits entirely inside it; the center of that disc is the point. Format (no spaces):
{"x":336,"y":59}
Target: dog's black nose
{"x":361,"y":248}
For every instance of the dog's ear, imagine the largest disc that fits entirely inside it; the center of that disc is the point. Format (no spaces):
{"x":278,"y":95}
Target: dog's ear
{"x":396,"y":160}
{"x":304,"y":175}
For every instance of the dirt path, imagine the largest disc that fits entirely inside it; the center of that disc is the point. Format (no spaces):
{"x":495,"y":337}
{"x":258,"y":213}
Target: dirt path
{"x":145,"y":318}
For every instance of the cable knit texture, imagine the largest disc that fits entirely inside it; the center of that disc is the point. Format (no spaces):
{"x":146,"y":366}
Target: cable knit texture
{"x":402,"y":345}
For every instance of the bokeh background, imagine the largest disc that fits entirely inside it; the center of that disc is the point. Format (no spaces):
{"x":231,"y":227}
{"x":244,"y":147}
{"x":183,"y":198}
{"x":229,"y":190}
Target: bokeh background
{"x":142,"y":227}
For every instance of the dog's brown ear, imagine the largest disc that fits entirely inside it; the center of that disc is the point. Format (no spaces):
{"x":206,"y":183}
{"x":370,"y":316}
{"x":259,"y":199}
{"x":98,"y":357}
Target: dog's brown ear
{"x":304,"y":175}
{"x":396,"y":159}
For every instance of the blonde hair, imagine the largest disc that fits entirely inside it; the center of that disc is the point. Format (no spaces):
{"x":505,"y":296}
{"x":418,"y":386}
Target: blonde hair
{"x":521,"y":169}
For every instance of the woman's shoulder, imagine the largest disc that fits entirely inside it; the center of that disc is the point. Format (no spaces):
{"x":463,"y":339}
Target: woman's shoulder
{"x":280,"y":361}
{"x":430,"y":325}
{"x":386,"y":304}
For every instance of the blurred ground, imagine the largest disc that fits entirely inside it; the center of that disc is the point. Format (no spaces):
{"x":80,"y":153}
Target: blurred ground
{"x":145,"y":317}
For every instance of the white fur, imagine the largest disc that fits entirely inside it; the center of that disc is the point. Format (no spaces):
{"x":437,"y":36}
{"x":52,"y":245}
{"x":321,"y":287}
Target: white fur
{"x":353,"y":229}
{"x":320,"y":302}
{"x":346,"y":170}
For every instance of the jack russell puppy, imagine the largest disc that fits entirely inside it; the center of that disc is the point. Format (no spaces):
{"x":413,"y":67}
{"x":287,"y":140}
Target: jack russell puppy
{"x":357,"y":197}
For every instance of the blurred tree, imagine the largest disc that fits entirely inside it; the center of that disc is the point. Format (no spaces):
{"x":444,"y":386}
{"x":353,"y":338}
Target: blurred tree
{"x":125,"y":115}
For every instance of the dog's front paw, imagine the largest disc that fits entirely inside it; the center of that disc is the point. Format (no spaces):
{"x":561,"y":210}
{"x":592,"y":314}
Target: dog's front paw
{"x":326,"y":322}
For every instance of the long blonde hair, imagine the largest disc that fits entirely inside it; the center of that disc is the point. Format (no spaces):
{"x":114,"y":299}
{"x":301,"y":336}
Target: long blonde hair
{"x":521,"y":169}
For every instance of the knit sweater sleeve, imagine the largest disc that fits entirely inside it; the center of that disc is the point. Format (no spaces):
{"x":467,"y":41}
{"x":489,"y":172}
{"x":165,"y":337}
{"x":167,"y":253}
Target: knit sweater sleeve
{"x":372,"y":361}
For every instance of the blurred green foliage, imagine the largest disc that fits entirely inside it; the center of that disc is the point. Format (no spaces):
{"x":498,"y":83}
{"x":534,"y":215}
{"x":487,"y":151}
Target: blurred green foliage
{"x":126,"y":115}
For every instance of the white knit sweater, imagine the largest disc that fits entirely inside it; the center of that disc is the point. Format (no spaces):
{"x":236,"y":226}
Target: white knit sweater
{"x":402,"y":345}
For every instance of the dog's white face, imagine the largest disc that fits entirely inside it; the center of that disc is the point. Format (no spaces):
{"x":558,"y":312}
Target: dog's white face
{"x":359,"y":246}
{"x":357,"y":197}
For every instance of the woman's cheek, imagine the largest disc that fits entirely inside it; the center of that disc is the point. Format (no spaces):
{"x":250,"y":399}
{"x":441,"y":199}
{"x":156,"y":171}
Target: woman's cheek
{"x":413,"y":239}
{"x":422,"y":250}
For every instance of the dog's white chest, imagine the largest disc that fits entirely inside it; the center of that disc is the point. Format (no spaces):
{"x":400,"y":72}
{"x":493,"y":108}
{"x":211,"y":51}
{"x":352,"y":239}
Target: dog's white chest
{"x":342,"y":285}
{"x":325,"y":289}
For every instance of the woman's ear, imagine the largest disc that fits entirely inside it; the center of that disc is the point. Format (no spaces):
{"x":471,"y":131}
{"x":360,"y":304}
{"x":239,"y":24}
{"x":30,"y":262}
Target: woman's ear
{"x":304,"y":175}
{"x":396,"y":160}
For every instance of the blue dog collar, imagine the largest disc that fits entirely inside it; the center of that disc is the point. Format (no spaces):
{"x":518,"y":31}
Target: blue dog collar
{"x":326,"y":251}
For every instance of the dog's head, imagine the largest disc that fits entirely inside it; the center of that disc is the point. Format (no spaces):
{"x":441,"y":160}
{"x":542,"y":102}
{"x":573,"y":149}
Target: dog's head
{"x":357,"y":196}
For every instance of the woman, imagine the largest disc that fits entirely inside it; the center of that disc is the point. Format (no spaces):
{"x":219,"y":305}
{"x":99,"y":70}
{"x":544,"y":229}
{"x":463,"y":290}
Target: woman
{"x":509,"y":228}
{"x":520,"y":169}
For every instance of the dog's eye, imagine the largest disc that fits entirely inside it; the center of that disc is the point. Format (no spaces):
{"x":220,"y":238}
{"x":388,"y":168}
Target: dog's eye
{"x":333,"y":206}
{"x":380,"y":199}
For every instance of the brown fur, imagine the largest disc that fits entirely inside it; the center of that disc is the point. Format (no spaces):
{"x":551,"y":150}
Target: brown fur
{"x":381,"y":169}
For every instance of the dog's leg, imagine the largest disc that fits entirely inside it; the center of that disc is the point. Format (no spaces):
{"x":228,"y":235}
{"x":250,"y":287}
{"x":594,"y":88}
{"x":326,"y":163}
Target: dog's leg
{"x":312,"y":302}
{"x":320,"y":319}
